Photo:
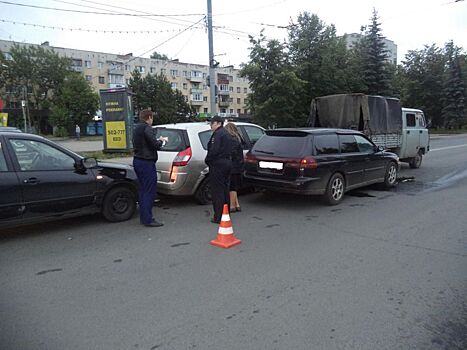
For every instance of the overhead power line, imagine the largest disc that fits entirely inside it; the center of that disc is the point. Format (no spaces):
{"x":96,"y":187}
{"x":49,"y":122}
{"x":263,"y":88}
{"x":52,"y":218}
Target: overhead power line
{"x":109,"y":31}
{"x":100,"y":13}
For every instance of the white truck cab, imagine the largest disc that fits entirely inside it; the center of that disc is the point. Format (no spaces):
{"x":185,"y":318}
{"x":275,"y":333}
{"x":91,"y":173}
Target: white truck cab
{"x":415,"y":137}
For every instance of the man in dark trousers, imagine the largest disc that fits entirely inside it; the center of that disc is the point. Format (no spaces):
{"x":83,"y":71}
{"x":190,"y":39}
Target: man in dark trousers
{"x":219,"y":162}
{"x":145,"y":147}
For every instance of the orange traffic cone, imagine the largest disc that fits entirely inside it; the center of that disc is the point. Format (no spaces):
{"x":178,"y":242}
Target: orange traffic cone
{"x":225,"y":236}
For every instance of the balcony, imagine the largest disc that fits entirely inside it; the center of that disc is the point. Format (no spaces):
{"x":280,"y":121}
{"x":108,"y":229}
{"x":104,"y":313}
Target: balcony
{"x":196,"y":91}
{"x":196,"y":102}
{"x":77,"y":68}
{"x":224,"y":92}
{"x":197,"y":79}
{"x":116,"y":71}
{"x":224,"y":103}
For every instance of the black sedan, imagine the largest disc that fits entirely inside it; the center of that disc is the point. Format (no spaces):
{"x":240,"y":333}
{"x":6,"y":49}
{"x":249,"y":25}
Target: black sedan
{"x":42,"y":181}
{"x":325,"y":162}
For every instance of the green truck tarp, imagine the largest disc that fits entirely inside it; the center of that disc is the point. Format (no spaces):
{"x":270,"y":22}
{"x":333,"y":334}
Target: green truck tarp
{"x":369,"y":114}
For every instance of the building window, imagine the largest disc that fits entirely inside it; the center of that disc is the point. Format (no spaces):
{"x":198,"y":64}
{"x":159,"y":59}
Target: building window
{"x":88,"y":77}
{"x":87,"y":64}
{"x":205,"y":98}
{"x":231,"y":89}
{"x":173,"y":86}
{"x":196,"y":73}
{"x":127,"y":67}
{"x":231,"y":110}
{"x":205,"y":110}
{"x":197,"y":97}
{"x":140,"y":69}
{"x":238,"y":89}
{"x":152,"y":69}
{"x":223,"y":87}
{"x":100,"y":65}
{"x":245,"y":90}
{"x":185,"y":86}
{"x":238,"y":111}
{"x":174,"y":72}
{"x":162,"y":71}
{"x":231,"y":100}
{"x":239,"y":100}
{"x":101,"y":80}
{"x":204,"y":75}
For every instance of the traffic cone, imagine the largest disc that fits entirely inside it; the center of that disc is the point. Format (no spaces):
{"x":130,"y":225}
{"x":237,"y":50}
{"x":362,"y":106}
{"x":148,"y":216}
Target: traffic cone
{"x":225,"y":236}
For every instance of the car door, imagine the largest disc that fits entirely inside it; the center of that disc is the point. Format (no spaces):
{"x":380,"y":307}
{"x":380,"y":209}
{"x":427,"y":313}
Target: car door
{"x":375,"y":164}
{"x":353,"y":160}
{"x":422,"y":131}
{"x":11,"y":203}
{"x":52,"y":184}
{"x":411,"y":136}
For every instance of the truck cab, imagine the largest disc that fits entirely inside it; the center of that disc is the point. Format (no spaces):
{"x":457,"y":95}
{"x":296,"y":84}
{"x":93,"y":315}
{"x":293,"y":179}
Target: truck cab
{"x":415,"y":138}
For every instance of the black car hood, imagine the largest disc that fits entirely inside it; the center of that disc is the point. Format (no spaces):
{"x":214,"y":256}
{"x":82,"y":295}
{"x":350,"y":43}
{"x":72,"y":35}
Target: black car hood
{"x":112,"y":165}
{"x":116,"y":170}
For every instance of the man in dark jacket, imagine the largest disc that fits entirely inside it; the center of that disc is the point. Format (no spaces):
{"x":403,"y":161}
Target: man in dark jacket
{"x":219,"y":162}
{"x":145,"y":147}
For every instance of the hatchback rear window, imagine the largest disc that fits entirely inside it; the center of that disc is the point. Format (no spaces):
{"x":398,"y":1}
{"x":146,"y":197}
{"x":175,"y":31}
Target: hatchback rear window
{"x":282,"y":145}
{"x":176,"y":138}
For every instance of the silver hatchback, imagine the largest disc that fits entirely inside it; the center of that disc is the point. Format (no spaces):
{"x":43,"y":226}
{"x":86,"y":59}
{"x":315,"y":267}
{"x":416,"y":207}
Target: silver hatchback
{"x":181,"y":170}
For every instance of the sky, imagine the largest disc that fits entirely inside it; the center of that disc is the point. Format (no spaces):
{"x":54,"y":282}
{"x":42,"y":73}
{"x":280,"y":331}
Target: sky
{"x":179,"y":29}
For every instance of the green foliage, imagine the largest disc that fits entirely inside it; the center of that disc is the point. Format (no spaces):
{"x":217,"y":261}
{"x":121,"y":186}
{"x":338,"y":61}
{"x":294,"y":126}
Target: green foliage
{"x":158,"y":56}
{"x":453,"y":112}
{"x":275,"y":100}
{"x":34,"y":69}
{"x":74,"y":102}
{"x":154,"y":92}
{"x":60,"y":119}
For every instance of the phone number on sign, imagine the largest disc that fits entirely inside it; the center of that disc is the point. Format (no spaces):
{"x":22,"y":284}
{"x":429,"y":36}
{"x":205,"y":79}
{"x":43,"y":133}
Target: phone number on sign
{"x":115,"y":132}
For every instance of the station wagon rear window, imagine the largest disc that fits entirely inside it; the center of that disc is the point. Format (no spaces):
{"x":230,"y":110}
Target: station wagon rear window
{"x":282,"y":145}
{"x":176,"y":138}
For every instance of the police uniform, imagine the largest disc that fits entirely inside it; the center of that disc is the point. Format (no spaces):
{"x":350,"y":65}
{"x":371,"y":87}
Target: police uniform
{"x":219,"y":161}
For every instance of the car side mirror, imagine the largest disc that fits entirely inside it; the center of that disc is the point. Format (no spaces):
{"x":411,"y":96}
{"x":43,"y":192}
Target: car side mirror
{"x":379,"y":149}
{"x":89,"y":163}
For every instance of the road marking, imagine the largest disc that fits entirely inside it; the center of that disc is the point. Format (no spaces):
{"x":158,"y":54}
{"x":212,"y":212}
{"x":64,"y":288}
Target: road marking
{"x":449,"y":147}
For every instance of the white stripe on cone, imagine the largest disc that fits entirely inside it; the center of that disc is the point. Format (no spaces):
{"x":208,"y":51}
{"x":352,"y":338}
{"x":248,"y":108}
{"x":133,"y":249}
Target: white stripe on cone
{"x":225,"y":230}
{"x":225,"y":217}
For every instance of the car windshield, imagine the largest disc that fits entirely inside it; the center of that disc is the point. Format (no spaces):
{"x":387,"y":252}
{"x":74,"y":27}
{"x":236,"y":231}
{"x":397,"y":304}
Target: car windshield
{"x":282,"y":145}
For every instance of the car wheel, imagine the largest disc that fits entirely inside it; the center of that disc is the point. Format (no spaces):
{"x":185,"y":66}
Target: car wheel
{"x":119,"y":204}
{"x":203,"y":193}
{"x":391,"y":175}
{"x":416,"y":161}
{"x":335,"y":189}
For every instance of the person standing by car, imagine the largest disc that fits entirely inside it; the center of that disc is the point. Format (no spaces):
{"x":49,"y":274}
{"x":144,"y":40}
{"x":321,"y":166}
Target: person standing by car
{"x":219,"y":161}
{"x":145,"y":147}
{"x":237,"y":166}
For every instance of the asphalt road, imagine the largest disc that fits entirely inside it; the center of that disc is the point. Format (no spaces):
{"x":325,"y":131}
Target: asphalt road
{"x":383,"y":270}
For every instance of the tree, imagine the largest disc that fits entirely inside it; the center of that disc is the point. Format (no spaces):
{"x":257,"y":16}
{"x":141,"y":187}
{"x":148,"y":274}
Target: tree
{"x":74,"y":102}
{"x":158,"y":56}
{"x":276,"y":96}
{"x":376,"y":74}
{"x":34,"y":73}
{"x":421,"y":77}
{"x":155,"y":92}
{"x":453,"y":112}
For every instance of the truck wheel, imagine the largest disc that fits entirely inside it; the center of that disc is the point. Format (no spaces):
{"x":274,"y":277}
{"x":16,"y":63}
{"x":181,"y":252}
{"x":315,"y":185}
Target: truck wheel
{"x":334,"y":189}
{"x":119,"y":204}
{"x":203,"y":193}
{"x":391,"y":175}
{"x":416,"y":161}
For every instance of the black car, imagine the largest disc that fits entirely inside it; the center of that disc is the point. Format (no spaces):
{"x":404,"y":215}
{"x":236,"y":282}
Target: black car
{"x":325,"y":162}
{"x":42,"y":181}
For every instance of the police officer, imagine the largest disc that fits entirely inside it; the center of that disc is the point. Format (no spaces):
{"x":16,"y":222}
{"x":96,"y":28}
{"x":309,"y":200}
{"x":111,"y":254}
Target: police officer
{"x":219,"y":162}
{"x":145,"y":147}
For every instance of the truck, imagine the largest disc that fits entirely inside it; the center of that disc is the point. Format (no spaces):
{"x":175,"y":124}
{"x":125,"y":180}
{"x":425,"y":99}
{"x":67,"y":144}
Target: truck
{"x":402,"y":131}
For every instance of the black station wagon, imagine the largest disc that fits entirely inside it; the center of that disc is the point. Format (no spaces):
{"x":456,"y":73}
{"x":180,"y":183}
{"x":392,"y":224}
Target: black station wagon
{"x":325,"y":162}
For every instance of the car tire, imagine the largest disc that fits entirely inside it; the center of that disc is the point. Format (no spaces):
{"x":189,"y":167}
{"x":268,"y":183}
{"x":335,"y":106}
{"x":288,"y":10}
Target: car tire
{"x":335,"y":189}
{"x":119,"y":204}
{"x":416,"y":161}
{"x":390,"y":178}
{"x":203,"y":193}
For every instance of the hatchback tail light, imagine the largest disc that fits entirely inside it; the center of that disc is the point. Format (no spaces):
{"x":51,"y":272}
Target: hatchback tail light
{"x":183,"y":157}
{"x":308,"y":163}
{"x":249,"y":158}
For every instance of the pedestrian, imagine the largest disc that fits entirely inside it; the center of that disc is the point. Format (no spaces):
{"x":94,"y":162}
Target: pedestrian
{"x":77,"y":131}
{"x":219,"y":161}
{"x":145,"y":147}
{"x":236,"y":173}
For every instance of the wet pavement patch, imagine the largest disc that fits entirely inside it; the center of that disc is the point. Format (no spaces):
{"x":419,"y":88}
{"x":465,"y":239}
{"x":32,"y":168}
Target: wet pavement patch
{"x":179,"y":244}
{"x":272,"y":225}
{"x":47,"y":271}
{"x":360,"y":194}
{"x":118,"y":260}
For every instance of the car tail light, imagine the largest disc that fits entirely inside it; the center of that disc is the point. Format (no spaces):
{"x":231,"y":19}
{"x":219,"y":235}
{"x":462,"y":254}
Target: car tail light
{"x":309,"y":163}
{"x":249,"y":158}
{"x":182,"y":158}
{"x":173,"y":174}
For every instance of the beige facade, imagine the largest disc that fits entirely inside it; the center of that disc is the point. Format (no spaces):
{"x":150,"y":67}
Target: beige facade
{"x":106,"y":70}
{"x":389,"y":45}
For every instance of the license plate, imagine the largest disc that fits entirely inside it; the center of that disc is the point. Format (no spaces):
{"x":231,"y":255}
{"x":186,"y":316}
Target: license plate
{"x":271,"y":165}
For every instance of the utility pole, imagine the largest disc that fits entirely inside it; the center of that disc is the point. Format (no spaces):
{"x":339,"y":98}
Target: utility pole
{"x":212,"y":70}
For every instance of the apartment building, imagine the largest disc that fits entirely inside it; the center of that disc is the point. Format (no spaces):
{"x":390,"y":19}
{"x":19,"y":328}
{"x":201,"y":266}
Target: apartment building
{"x":389,"y":45}
{"x":107,"y":70}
